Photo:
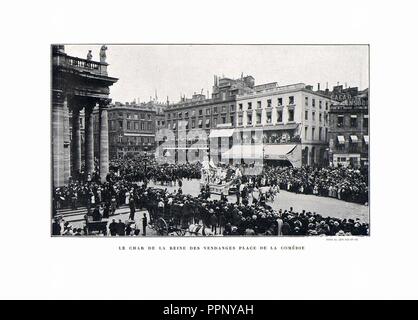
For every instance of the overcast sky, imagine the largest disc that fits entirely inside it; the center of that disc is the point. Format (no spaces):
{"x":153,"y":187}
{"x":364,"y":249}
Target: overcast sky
{"x":171,"y":70}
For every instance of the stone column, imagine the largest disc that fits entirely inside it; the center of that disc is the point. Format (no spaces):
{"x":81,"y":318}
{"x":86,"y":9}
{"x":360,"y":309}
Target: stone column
{"x":76,"y":142}
{"x":57,"y":138}
{"x":104,"y":142}
{"x":67,"y":157}
{"x":89,"y":140}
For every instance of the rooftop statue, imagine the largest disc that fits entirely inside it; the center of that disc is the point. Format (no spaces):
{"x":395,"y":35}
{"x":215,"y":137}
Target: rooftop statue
{"x":103,"y":53}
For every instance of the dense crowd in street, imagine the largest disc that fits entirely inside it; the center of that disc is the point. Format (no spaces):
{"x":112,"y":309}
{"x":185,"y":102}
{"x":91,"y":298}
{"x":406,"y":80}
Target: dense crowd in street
{"x":346,"y":184}
{"x":250,"y":215}
{"x":221,"y":217}
{"x":146,"y":168}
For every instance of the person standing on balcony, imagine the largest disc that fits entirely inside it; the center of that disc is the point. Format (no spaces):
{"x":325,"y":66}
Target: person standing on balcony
{"x":89,"y":55}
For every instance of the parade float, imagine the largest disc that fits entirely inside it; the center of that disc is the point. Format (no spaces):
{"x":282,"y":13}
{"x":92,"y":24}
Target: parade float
{"x":220,"y":180}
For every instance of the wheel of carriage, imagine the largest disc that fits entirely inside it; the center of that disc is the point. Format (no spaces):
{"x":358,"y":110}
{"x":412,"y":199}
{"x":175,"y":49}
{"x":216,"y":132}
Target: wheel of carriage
{"x":161,"y":227}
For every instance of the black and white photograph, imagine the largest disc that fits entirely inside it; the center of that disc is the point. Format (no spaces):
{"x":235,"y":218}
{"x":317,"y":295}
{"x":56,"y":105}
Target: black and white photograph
{"x":208,"y":157}
{"x":210,"y":140}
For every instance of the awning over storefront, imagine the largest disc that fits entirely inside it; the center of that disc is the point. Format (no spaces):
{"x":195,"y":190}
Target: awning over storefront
{"x":341,"y":139}
{"x":251,"y":151}
{"x":366,"y":139}
{"x":354,"y":139}
{"x":220,"y":133}
{"x":278,"y":151}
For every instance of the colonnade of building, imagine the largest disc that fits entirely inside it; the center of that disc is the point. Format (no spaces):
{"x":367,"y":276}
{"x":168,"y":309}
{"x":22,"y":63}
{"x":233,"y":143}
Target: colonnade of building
{"x":66,"y":152}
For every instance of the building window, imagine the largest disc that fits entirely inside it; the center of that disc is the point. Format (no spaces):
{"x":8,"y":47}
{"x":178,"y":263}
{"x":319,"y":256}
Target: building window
{"x":232,"y":120}
{"x":306,"y":133}
{"x":142,"y":116}
{"x":366,"y":122}
{"x":291,"y":100}
{"x":340,"y":121}
{"x":258,"y":119}
{"x":306,"y":101}
{"x":240,"y":120}
{"x":168,"y":116}
{"x":250,"y":119}
{"x":326,"y":105}
{"x":149,"y":126}
{"x":320,"y":117}
{"x":279,"y":102}
{"x":249,"y":106}
{"x":353,"y":121}
{"x":320,"y":104}
{"x":207,"y":123}
{"x":120,"y":138}
{"x":258,"y":104}
{"x":136,"y":125}
{"x":313,"y":133}
{"x":306,"y":114}
{"x":291,"y":115}
{"x":180,"y":115}
{"x":223,"y":119}
{"x":143,"y":126}
{"x":120,"y":124}
{"x":215,"y":122}
{"x":208,"y":112}
{"x":320,"y":134}
{"x":200,"y":112}
{"x":268,"y":117}
{"x":231,"y":108}
{"x":240,"y":107}
{"x":313,"y":102}
{"x":215,"y":110}
{"x":280,"y":116}
{"x":313,"y":115}
{"x":186,"y":114}
{"x":149,"y":116}
{"x":193,"y":123}
{"x":223,"y":109}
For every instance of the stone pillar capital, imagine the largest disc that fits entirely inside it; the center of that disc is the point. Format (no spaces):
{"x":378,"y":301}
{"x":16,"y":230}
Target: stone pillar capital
{"x":104,"y":103}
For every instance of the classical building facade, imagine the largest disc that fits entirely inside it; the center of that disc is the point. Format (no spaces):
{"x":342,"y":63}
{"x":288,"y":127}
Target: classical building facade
{"x":288,"y":124}
{"x":291,"y":123}
{"x":131,"y":129}
{"x":191,"y":122}
{"x":349,"y":130}
{"x":78,"y":85}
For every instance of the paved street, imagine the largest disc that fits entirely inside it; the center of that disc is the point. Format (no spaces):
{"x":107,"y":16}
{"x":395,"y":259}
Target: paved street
{"x":322,"y":205}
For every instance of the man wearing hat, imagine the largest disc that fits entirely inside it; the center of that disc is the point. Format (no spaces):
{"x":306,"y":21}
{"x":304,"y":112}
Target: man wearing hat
{"x":144,"y":224}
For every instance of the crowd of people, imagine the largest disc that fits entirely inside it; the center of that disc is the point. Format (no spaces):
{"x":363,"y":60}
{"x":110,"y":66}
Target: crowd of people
{"x":127,"y":184}
{"x":346,"y":184}
{"x":147,"y":168}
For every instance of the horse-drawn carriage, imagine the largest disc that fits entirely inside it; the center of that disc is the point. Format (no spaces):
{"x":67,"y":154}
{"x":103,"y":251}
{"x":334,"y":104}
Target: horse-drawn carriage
{"x":98,"y":227}
{"x":165,"y":227}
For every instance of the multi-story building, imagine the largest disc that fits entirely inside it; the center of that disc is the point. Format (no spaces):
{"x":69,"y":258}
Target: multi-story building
{"x":289,"y":123}
{"x":196,"y":121}
{"x":349,"y":130}
{"x":131,"y":129}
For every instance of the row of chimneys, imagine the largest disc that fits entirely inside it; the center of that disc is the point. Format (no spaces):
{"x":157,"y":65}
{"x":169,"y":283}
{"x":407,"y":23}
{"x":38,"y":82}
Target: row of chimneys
{"x":338,"y":83}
